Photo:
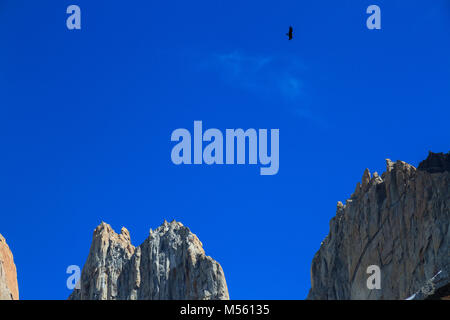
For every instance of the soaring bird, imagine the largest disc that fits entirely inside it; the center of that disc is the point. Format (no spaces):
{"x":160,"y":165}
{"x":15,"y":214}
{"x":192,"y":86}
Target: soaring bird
{"x":289,"y":34}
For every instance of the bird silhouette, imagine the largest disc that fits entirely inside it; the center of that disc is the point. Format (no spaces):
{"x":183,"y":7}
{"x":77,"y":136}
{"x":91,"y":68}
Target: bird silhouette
{"x":289,"y":34}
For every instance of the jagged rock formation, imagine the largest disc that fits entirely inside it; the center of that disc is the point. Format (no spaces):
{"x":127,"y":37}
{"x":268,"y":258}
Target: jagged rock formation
{"x":436,"y":162}
{"x":170,"y":264}
{"x":399,"y":222}
{"x":9,"y":290}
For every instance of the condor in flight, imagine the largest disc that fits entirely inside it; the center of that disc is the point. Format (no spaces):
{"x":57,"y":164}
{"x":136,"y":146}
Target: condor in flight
{"x":289,"y":34}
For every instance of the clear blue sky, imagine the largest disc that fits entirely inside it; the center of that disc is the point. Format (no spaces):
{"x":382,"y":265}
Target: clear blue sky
{"x":86,"y":118}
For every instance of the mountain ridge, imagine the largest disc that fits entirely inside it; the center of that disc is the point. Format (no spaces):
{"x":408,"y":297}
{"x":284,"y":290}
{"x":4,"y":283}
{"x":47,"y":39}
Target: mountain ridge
{"x":9,"y":289}
{"x":398,"y":221}
{"x":170,"y":264}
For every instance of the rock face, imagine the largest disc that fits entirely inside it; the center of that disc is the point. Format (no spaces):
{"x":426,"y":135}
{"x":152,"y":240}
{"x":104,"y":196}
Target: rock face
{"x":170,"y":264}
{"x":399,"y":222}
{"x":9,"y":289}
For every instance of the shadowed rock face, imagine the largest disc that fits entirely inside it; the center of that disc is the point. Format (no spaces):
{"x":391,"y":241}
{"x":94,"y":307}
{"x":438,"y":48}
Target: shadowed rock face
{"x":399,"y":222}
{"x":9,"y":289}
{"x":436,"y":162}
{"x":170,"y":264}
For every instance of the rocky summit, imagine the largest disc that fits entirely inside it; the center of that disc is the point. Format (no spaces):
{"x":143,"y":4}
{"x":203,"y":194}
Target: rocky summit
{"x":400,"y":222}
{"x":9,"y":289}
{"x":170,"y":264}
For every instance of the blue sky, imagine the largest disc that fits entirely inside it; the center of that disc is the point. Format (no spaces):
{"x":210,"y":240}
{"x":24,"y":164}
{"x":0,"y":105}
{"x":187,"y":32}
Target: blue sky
{"x":86,"y":118}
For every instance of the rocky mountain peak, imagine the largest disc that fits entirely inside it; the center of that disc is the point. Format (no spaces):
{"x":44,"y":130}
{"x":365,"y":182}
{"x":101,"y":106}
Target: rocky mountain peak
{"x":9,"y":289}
{"x":398,"y":222}
{"x":170,"y":264}
{"x":436,"y":163}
